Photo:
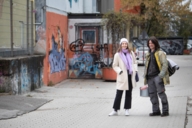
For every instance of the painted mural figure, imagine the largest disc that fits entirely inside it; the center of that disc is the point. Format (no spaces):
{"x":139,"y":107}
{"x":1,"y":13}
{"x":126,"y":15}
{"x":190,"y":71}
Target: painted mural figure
{"x":57,"y":58}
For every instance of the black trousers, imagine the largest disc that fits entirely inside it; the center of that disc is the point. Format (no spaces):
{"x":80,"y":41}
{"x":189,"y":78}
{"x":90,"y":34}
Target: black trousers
{"x":128,"y":97}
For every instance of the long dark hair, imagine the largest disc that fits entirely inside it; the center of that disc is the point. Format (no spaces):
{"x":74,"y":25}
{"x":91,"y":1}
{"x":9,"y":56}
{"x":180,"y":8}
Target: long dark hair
{"x":154,"y":40}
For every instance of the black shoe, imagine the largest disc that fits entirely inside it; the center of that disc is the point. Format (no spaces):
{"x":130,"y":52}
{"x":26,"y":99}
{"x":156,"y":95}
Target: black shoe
{"x":165,"y":114}
{"x":155,"y":114}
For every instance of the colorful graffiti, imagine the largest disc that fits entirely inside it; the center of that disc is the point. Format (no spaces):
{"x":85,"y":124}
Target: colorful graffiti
{"x":57,"y":58}
{"x":87,"y":63}
{"x":83,"y":64}
{"x":172,"y":47}
{"x":24,"y":77}
{"x":70,"y":1}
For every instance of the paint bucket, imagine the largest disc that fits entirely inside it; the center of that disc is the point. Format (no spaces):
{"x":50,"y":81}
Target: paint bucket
{"x":144,"y":92}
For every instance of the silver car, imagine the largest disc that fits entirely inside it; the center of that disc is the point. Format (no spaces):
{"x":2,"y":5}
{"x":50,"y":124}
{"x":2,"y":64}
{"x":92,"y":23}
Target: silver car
{"x":140,"y":54}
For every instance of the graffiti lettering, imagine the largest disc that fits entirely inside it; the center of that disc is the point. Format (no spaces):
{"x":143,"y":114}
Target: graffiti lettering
{"x":101,"y":47}
{"x":77,"y":46}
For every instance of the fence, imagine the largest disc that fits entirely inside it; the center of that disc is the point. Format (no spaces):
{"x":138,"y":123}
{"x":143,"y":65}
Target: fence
{"x":16,"y":28}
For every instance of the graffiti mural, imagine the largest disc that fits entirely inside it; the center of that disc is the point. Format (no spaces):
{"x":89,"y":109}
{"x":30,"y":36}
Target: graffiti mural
{"x":57,"y":58}
{"x":83,"y":64}
{"x":24,"y":77}
{"x":172,"y":46}
{"x":87,"y":64}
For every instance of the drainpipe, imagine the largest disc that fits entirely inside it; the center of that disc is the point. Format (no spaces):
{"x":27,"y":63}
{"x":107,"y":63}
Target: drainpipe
{"x":31,"y":52}
{"x":108,"y":47}
{"x":11,"y":25}
{"x":27,"y":20}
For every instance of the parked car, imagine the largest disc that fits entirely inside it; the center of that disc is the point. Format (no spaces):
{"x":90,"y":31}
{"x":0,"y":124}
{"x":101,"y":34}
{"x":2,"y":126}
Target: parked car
{"x":189,"y":47}
{"x":140,"y":54}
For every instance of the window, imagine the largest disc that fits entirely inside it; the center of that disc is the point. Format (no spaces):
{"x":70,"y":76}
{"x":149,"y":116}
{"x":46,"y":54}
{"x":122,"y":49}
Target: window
{"x":89,"y":36}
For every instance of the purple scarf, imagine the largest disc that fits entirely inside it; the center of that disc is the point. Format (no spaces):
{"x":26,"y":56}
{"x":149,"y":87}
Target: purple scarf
{"x":126,"y":59}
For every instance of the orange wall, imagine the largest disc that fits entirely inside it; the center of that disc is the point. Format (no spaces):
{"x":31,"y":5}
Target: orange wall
{"x":55,"y":70}
{"x":117,"y":7}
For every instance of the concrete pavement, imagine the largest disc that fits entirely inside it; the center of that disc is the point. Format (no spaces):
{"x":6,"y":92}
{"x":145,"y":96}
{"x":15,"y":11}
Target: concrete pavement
{"x":86,"y":103}
{"x":12,"y":106}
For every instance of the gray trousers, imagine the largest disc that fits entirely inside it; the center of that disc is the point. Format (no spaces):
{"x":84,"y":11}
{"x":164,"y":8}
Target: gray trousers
{"x":156,"y":86}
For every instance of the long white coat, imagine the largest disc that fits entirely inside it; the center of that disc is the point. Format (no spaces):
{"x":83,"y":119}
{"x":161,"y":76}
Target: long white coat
{"x":118,"y":66}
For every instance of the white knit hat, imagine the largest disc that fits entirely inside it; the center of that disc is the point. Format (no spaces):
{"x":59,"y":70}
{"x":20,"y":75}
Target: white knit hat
{"x":124,"y":40}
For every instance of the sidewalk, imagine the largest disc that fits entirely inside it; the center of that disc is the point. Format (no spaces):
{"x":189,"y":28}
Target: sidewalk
{"x":12,"y":106}
{"x":80,"y":103}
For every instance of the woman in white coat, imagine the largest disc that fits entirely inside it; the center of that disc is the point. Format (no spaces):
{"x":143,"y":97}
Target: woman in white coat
{"x":125,"y":65}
